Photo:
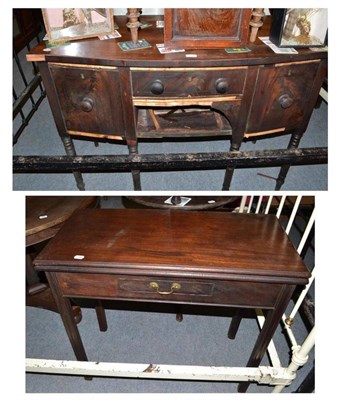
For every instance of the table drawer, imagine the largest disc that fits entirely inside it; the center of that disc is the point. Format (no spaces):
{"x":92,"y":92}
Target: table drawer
{"x":161,"y":289}
{"x":184,"y":82}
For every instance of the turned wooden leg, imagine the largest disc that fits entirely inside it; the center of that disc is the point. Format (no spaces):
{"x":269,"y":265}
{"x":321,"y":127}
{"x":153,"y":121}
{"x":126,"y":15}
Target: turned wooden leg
{"x":293,"y":144}
{"x":135,"y":173}
{"x":229,"y":172}
{"x":70,"y":151}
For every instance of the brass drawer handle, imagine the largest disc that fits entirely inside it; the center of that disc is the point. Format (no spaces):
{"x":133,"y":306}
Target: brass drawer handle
{"x":174,"y":286}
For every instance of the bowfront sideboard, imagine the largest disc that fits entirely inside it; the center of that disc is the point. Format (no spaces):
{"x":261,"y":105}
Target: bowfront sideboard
{"x":97,"y":90}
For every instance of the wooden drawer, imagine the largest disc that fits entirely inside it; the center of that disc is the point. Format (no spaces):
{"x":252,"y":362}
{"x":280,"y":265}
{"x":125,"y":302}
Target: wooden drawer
{"x":188,"y":82}
{"x":175,"y":290}
{"x":89,"y":98}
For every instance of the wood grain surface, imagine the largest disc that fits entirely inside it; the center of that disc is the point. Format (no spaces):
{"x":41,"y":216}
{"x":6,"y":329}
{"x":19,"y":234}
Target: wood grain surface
{"x":185,"y":243}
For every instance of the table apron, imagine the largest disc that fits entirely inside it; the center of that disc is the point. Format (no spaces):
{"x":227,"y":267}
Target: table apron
{"x":169,"y":290}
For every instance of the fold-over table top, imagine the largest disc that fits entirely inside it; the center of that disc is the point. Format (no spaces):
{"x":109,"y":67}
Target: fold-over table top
{"x":199,"y":244}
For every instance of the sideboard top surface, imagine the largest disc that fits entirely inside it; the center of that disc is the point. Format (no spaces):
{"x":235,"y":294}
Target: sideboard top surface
{"x":174,"y":241}
{"x":107,"y":52}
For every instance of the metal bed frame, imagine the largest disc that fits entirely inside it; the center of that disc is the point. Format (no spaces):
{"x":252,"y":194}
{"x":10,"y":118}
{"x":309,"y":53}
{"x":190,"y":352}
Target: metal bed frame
{"x":27,"y":79}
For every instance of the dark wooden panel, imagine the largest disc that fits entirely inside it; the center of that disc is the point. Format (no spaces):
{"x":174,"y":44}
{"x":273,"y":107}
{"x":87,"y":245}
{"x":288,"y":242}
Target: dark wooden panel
{"x":90,"y":99}
{"x":206,"y":27}
{"x":282,"y":91}
{"x":183,"y":83}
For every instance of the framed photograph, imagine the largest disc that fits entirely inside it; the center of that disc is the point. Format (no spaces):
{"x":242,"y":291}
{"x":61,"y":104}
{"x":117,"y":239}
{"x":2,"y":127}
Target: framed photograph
{"x":77,"y":23}
{"x":299,"y":27}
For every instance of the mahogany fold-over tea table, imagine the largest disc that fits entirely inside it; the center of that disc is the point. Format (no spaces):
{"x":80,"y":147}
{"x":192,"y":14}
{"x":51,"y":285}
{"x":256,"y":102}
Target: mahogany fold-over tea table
{"x":170,"y":256}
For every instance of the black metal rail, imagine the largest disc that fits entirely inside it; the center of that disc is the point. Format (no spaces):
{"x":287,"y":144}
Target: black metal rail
{"x":164,"y":162}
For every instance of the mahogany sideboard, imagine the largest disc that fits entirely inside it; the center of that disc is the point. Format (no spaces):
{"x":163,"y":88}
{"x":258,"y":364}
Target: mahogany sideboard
{"x":97,"y":90}
{"x":180,"y":257}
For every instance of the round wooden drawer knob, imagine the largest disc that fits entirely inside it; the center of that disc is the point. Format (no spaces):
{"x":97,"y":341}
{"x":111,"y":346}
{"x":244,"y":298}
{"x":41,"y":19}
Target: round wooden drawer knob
{"x":157,"y":87}
{"x":285,"y":101}
{"x":221,"y":86}
{"x":86,"y":104}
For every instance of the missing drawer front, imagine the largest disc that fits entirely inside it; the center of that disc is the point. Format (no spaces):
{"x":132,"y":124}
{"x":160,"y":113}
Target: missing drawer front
{"x":187,"y":288}
{"x":181,"y":122}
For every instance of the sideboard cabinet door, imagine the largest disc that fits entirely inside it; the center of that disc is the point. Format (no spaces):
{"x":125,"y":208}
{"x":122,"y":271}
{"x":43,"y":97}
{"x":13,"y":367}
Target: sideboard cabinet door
{"x":90,"y":99}
{"x":281,"y":94}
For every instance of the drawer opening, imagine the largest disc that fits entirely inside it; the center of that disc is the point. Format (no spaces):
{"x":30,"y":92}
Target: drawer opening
{"x":154,"y":122}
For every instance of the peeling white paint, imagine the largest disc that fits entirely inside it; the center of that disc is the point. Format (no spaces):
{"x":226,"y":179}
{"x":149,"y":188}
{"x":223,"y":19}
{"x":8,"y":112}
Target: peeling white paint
{"x":264,"y":375}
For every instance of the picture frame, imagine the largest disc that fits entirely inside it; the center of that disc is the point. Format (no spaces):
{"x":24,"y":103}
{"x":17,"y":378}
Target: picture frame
{"x":299,"y":27}
{"x":205,"y":28}
{"x":66,"y":24}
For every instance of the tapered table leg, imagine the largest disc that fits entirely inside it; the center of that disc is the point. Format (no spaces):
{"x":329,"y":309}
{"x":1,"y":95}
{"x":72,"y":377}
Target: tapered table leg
{"x":235,"y":323}
{"x":101,"y":317}
{"x":65,"y":310}
{"x":272,"y":321}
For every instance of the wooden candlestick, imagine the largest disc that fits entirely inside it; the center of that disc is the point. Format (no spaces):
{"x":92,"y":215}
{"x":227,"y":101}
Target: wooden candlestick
{"x":133,"y":24}
{"x":256,"y":23}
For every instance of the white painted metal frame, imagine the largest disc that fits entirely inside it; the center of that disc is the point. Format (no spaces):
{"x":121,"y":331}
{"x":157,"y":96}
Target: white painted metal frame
{"x":299,"y":352}
{"x":275,"y":375}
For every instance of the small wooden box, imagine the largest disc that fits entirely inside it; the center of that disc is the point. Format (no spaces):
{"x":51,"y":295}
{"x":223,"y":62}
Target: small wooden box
{"x":206,"y":27}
